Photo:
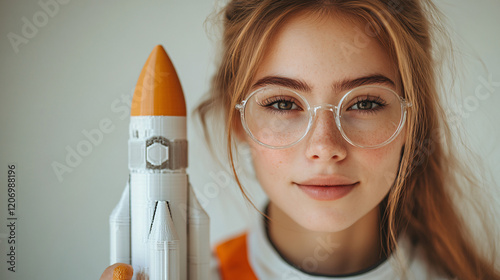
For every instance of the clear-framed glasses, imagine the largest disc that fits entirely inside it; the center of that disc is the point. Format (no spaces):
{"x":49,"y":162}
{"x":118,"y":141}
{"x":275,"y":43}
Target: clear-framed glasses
{"x":368,"y":116}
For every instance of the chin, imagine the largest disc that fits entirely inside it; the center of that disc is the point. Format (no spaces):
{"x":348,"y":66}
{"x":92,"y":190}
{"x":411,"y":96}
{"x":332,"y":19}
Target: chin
{"x":321,"y":221}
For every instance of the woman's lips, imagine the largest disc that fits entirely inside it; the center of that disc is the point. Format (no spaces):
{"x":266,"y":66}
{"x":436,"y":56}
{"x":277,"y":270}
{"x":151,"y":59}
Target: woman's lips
{"x":332,"y":180}
{"x":325,"y":191}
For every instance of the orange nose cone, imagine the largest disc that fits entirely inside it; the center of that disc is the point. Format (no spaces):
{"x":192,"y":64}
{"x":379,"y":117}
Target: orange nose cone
{"x":158,"y":91}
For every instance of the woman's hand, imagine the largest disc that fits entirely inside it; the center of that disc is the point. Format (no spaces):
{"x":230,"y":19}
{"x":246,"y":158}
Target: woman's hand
{"x":118,"y":271}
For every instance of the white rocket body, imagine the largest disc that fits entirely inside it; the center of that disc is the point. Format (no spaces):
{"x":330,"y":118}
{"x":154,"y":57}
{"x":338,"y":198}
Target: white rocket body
{"x":159,"y":227}
{"x":157,"y":162}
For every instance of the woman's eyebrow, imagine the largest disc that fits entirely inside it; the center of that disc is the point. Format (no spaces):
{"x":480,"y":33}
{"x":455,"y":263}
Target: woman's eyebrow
{"x":348,"y":84}
{"x":295,"y":84}
{"x":343,"y":85}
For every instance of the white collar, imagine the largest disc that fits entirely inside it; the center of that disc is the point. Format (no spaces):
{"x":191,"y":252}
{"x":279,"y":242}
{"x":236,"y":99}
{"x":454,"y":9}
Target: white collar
{"x":268,"y":264}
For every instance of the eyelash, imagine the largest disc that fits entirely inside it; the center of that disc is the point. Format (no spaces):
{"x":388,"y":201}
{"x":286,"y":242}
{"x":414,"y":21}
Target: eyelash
{"x":375,"y":99}
{"x":276,"y":99}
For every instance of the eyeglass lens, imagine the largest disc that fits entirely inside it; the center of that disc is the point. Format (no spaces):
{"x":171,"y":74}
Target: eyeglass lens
{"x":279,"y":117}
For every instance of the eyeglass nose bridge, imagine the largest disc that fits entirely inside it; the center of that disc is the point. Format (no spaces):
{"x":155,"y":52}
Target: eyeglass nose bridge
{"x":325,"y":106}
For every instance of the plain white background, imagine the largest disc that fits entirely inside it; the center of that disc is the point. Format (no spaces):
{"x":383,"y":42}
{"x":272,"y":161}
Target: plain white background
{"x":78,"y":67}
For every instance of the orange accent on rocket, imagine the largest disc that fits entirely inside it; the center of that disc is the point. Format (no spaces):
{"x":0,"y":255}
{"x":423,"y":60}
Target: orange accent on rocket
{"x":158,"y":77}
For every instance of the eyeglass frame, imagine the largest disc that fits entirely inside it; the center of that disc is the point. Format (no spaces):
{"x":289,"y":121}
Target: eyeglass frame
{"x":312,"y":112}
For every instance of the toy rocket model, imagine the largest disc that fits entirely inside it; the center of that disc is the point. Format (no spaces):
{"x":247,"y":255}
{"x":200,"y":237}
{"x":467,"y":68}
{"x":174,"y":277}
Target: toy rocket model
{"x":158,"y":225}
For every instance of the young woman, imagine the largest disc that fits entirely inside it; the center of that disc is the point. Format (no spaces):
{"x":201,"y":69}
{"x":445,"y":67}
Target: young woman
{"x":338,"y":103}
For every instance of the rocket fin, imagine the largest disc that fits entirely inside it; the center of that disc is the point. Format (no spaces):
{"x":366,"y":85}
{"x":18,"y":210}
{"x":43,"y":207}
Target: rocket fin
{"x":164,"y":257}
{"x":198,"y":239}
{"x":119,"y":224}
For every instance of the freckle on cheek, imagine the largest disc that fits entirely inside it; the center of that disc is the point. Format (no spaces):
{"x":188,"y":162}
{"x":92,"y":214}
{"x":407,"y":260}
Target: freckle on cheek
{"x":276,"y":165}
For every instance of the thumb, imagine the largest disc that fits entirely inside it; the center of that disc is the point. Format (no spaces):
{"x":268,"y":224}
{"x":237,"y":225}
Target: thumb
{"x":118,"y":271}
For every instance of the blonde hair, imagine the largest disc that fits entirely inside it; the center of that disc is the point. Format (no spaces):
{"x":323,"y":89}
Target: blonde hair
{"x":420,"y":203}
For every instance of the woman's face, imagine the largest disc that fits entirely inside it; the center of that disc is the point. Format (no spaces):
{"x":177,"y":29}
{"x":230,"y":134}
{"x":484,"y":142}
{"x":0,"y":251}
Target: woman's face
{"x":322,"y":53}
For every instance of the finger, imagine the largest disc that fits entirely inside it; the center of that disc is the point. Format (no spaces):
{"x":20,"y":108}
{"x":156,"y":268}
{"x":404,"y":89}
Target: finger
{"x":118,"y":271}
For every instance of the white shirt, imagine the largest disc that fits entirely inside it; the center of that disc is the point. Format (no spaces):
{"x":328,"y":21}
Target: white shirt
{"x":267,"y":264}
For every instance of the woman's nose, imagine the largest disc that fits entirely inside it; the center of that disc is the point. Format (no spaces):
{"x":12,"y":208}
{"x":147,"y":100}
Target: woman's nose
{"x":325,"y":141}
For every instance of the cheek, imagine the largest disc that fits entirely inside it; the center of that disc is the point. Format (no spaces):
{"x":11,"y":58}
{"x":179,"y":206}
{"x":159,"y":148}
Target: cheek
{"x":380,"y":166}
{"x":270,"y":165}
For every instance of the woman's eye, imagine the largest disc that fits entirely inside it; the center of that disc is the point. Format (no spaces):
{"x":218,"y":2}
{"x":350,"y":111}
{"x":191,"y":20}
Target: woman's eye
{"x":365,"y":105}
{"x":285,"y":105}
